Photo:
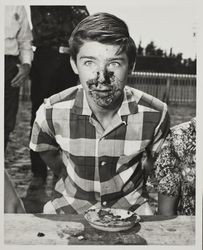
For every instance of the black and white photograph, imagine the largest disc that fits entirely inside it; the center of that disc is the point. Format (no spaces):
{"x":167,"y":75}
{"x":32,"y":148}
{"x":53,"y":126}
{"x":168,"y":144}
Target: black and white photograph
{"x":99,"y":117}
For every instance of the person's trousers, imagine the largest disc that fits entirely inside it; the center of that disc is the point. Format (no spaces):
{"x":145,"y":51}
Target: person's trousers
{"x":51,"y":73}
{"x":11,"y":96}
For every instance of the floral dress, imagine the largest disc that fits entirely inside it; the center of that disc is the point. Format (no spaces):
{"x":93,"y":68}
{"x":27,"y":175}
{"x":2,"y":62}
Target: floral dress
{"x":174,"y":169}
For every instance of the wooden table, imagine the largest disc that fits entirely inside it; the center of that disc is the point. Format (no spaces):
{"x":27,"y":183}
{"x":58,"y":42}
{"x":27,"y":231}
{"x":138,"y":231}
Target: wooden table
{"x":44,"y":229}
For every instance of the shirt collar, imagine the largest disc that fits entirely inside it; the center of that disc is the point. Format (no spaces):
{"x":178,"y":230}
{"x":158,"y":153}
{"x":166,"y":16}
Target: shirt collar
{"x":81,"y":106}
{"x":128,"y":106}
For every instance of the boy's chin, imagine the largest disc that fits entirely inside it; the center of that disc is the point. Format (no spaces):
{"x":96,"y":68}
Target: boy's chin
{"x":105,"y":105}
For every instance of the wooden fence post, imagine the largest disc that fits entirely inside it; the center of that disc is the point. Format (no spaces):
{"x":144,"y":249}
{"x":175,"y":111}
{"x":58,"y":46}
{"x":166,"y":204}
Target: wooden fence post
{"x":166,"y":97}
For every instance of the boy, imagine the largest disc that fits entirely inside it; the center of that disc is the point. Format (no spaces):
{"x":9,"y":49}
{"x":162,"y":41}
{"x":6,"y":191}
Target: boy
{"x":94,"y":135}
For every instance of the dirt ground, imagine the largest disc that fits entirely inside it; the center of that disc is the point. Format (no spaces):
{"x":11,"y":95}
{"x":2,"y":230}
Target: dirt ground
{"x":17,"y":158}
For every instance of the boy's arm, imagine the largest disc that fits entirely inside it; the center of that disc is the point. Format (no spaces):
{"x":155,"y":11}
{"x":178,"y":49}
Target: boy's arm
{"x":43,"y":140}
{"x":53,"y":160}
{"x":160,"y":135}
{"x":161,"y":132}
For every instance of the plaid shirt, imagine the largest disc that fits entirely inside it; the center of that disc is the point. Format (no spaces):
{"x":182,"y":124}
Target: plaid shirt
{"x":102,"y":167}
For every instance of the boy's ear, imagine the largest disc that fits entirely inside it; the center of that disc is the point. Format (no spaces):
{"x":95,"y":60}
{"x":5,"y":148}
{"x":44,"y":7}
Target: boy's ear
{"x":132,"y":69}
{"x":73,"y":65}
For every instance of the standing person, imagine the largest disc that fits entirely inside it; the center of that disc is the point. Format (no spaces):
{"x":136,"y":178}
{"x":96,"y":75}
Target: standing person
{"x":94,"y":135}
{"x":175,"y":171}
{"x":18,"y":57}
{"x":51,"y":71}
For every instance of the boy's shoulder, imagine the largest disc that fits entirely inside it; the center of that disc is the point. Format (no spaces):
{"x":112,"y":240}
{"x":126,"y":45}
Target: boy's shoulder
{"x":146,"y":100}
{"x":65,"y":98}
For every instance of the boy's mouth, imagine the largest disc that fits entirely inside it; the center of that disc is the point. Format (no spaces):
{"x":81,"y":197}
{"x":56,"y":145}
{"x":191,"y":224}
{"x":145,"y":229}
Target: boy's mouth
{"x":102,"y":92}
{"x":100,"y":87}
{"x":105,"y":85}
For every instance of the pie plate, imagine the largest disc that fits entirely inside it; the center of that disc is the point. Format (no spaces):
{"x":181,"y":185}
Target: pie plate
{"x":111,"y":219}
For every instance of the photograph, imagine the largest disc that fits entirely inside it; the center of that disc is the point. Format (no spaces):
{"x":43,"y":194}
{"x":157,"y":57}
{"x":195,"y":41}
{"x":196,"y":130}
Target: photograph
{"x":100,"y":119}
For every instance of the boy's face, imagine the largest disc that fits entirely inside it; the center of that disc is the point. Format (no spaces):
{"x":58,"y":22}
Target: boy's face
{"x":103,"y":73}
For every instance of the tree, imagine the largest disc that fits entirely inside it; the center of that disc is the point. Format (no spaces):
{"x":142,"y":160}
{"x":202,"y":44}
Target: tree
{"x":140,"y":49}
{"x":159,"y":52}
{"x":157,"y":60}
{"x":150,"y":49}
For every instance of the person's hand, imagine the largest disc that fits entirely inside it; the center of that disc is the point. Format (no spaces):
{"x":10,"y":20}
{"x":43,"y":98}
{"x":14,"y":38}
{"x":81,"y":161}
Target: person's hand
{"x":22,"y":75}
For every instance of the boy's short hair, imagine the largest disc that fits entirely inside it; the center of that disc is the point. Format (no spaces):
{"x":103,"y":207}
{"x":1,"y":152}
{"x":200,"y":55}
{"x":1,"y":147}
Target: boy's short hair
{"x":104,"y":28}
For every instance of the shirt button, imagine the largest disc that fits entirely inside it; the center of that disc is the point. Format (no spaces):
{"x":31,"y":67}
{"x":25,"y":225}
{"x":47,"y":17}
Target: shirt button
{"x":103,"y":163}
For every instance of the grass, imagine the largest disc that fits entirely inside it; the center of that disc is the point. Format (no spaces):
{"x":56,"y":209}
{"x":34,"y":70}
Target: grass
{"x":181,"y":113}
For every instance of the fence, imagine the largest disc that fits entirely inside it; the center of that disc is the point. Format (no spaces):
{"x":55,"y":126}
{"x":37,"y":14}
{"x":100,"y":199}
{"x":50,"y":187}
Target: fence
{"x":170,"y":88}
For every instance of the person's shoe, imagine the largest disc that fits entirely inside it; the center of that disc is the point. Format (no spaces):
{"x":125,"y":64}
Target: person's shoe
{"x":37,"y":182}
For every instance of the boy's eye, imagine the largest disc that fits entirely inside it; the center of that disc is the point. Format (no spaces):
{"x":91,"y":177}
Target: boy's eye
{"x":88,"y":63}
{"x":114,"y":64}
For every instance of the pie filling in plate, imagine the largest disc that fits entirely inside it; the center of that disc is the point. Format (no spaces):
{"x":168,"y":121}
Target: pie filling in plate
{"x":111,"y":219}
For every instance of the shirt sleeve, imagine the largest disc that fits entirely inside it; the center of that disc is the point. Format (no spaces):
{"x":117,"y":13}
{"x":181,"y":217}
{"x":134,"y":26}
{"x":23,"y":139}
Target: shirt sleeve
{"x":161,"y":132}
{"x":24,"y":38}
{"x":166,"y":173}
{"x":42,"y":138}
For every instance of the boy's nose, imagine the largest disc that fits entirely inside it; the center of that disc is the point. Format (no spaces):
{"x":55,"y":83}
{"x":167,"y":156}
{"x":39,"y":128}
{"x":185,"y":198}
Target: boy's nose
{"x":101,"y":76}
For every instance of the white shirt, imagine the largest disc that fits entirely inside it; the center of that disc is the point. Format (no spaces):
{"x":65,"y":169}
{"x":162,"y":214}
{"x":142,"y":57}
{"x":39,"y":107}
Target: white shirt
{"x":18,"y":35}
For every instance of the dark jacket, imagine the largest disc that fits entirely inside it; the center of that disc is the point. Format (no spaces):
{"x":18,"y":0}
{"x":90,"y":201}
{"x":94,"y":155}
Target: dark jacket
{"x":53,"y":25}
